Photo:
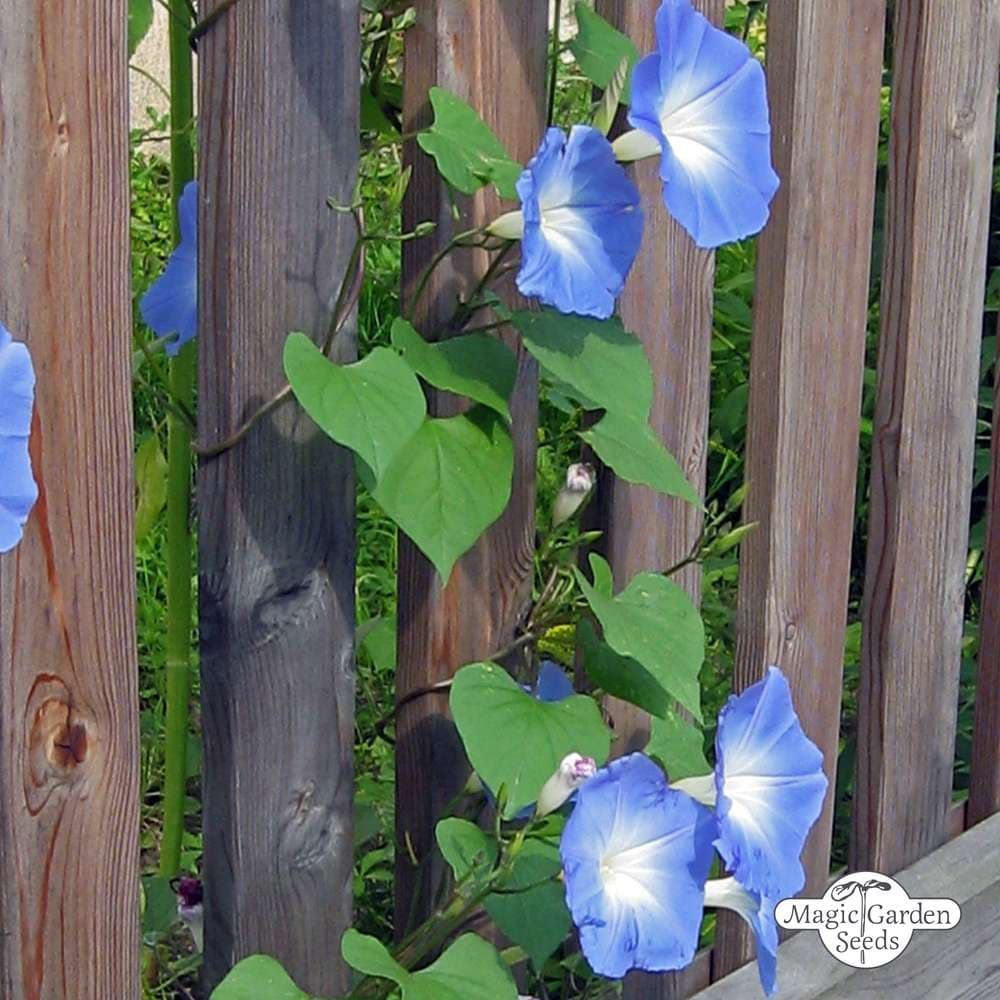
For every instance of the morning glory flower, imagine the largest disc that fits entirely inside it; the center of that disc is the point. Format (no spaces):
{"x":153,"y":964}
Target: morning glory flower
{"x":552,"y":683}
{"x":700,"y":102}
{"x":171,"y":304}
{"x":768,"y":788}
{"x":18,"y":490}
{"x":580,"y":223}
{"x":758,"y":912}
{"x":635,"y":855}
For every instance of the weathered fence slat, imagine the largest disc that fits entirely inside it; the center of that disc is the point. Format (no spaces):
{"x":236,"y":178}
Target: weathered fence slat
{"x":984,"y":785}
{"x":279,"y":127}
{"x":944,"y":106}
{"x":491,"y":53}
{"x":806,"y":374}
{"x":936,"y":964}
{"x":668,"y":303}
{"x":69,"y":806}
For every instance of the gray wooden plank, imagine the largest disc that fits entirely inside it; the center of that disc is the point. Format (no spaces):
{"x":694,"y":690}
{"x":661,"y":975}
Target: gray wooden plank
{"x":934,"y":273}
{"x":807,"y":359}
{"x":279,"y":126}
{"x":69,"y":741}
{"x":967,"y":870}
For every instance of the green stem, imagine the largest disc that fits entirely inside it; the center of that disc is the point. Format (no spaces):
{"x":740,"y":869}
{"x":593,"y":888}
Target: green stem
{"x":179,"y":541}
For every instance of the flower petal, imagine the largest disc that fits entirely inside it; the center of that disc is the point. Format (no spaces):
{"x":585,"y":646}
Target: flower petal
{"x":582,"y":223}
{"x":18,"y":490}
{"x":552,"y":683}
{"x":758,"y":912}
{"x":771,"y":786}
{"x":171,"y":304}
{"x":703,"y":96}
{"x":636,"y":855}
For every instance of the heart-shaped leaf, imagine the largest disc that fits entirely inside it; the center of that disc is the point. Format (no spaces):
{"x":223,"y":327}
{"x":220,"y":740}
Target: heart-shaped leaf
{"x":678,"y":745}
{"x":258,"y":978}
{"x":374,"y":407}
{"x":603,"y":364}
{"x":467,"y":152}
{"x":599,"y":49}
{"x":450,"y":483}
{"x":475,"y":365}
{"x":513,"y":739}
{"x":637,"y":455}
{"x":655,"y":622}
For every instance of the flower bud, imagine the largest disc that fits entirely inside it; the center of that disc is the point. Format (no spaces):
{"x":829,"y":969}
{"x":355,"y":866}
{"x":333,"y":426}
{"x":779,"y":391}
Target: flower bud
{"x":574,"y":770}
{"x":579,"y":482}
{"x":189,"y":908}
{"x":509,"y":226}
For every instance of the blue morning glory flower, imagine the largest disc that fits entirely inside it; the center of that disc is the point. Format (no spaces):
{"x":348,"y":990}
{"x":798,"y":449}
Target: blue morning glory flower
{"x":770,"y":787}
{"x":18,"y":490}
{"x":552,"y":683}
{"x":171,"y":304}
{"x":701,"y":101}
{"x":580,"y":225}
{"x":635,"y":855}
{"x":758,"y":912}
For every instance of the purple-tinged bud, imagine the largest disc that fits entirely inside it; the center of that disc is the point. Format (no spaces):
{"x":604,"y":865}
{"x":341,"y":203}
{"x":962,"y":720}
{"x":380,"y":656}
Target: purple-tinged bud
{"x":574,"y":770}
{"x":189,"y":908}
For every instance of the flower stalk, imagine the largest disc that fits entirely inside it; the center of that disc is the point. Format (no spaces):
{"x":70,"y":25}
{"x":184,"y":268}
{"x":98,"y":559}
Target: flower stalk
{"x":179,"y":540}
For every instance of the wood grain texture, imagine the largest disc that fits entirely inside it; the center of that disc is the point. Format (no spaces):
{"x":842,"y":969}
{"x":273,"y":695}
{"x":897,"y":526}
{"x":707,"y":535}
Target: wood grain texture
{"x":807,"y":361}
{"x":950,"y":965}
{"x":984,"y":785}
{"x":668,"y":303}
{"x":492,"y":54}
{"x":279,"y":134}
{"x":940,"y":169}
{"x":69,"y":745}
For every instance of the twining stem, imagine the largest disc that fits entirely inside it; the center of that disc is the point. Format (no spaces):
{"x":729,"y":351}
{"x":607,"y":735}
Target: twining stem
{"x":347,"y":299}
{"x":456,"y":241}
{"x":179,"y":541}
{"x":195,"y":32}
{"x":554,"y":68}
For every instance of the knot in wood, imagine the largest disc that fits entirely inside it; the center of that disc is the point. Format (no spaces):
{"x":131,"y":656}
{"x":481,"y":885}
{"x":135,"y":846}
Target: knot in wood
{"x":60,"y":741}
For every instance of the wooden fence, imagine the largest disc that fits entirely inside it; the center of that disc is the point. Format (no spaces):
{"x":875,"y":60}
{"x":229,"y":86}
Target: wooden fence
{"x":278,"y":133}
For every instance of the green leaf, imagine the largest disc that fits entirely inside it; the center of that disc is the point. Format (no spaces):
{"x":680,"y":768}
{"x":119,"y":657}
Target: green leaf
{"x":140,"y":20}
{"x":258,"y":978}
{"x":369,"y":956}
{"x":514,"y":740}
{"x":654,"y":621}
{"x":599,"y":49}
{"x":604,"y":116}
{"x":159,"y":911}
{"x":597,"y":359}
{"x":374,"y":407}
{"x":620,"y":676}
{"x":678,"y":745}
{"x":373,"y":118}
{"x":150,"y":485}
{"x":471,"y":969}
{"x":536,"y":918}
{"x":450,"y":484}
{"x":378,"y":636}
{"x":637,"y":455}
{"x":467,"y":152}
{"x":465,"y":846}
{"x":475,"y":365}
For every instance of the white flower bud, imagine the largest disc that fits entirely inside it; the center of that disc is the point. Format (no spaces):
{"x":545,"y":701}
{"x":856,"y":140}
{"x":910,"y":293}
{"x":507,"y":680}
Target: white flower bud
{"x":509,"y":226}
{"x":574,"y":770}
{"x":580,"y":480}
